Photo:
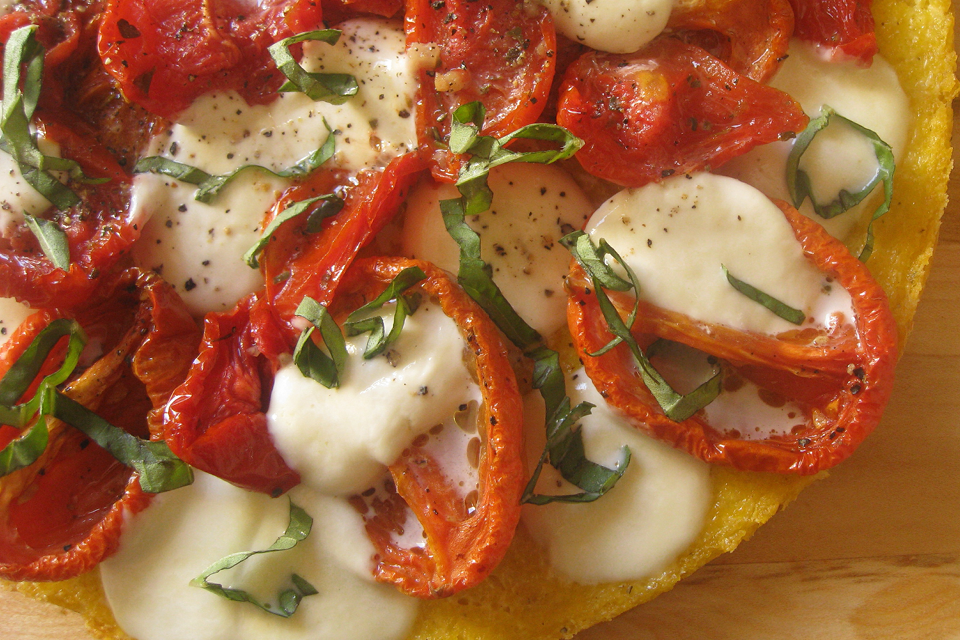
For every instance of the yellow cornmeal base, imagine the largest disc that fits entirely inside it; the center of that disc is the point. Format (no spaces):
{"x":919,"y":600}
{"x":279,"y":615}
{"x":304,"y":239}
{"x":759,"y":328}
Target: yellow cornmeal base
{"x":523,"y":599}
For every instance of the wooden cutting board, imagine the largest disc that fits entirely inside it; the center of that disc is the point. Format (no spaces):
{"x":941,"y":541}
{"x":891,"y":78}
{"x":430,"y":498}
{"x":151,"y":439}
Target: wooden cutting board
{"x":871,"y":553}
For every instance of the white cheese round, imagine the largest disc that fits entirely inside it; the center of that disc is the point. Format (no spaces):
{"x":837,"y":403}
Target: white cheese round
{"x":639,"y":527}
{"x":615,"y":26}
{"x":677,"y":235}
{"x":339,"y":439}
{"x":533,"y":207}
{"x":839,"y":157}
{"x":198,"y":247}
{"x":12,"y":313}
{"x":185,"y":531}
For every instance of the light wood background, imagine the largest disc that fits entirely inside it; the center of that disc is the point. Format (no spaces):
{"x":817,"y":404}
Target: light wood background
{"x":871,"y":553}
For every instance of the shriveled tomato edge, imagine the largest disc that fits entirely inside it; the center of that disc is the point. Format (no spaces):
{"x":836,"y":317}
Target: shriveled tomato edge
{"x":167,"y":314}
{"x":866,"y":389}
{"x":478,"y":542}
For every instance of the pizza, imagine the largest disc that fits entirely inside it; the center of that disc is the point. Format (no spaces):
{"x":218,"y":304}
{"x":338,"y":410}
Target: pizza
{"x":450,"y":319}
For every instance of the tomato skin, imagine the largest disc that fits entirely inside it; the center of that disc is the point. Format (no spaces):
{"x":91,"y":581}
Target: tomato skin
{"x":753,"y":35}
{"x":62,"y":515}
{"x":215,"y":421}
{"x":669,"y":108}
{"x":297,"y":264}
{"x":165,"y":54}
{"x":482,"y":57}
{"x":848,"y":395}
{"x":462,"y":547}
{"x":845,"y":28}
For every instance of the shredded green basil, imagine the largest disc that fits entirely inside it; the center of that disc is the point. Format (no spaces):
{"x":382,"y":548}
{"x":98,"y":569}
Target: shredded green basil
{"x":53,"y":240}
{"x":677,"y":407}
{"x":298,"y":528}
{"x":487,"y":152}
{"x":329,"y":205}
{"x":406,"y":305}
{"x":335,"y":88}
{"x":564,"y":448}
{"x":312,"y":361}
{"x":798,"y":181}
{"x":785,"y":311}
{"x":210,"y":186}
{"x":158,"y":469}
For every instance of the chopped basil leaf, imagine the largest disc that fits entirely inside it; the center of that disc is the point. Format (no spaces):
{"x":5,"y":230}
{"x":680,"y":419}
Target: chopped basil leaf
{"x":288,"y":600}
{"x":309,"y":357}
{"x":210,"y":186}
{"x":18,"y":107}
{"x":25,"y":450}
{"x":329,"y":205}
{"x":798,"y":181}
{"x":335,"y":88}
{"x":53,"y":240}
{"x":488,"y":152}
{"x":564,"y":448}
{"x":677,"y":407}
{"x":158,"y":469}
{"x":406,"y":305}
{"x":788,"y":313}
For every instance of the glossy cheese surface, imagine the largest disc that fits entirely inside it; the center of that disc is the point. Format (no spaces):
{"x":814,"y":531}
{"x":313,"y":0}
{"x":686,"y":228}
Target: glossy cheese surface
{"x":616,"y":26}
{"x":677,"y":235}
{"x":340,"y":440}
{"x":184,"y":531}
{"x":637,"y":529}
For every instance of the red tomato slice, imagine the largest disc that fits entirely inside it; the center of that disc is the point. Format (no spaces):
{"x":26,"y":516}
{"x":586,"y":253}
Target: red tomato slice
{"x":750,"y":36}
{"x":465,"y":539}
{"x":297,"y":264}
{"x":843,"y":27}
{"x":842,"y":380}
{"x":166,"y":53}
{"x":669,"y":108}
{"x":63,"y":514}
{"x":215,"y":420}
{"x":501,"y":53}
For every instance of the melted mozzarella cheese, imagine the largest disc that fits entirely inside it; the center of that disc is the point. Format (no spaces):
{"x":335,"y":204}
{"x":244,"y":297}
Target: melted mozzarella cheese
{"x":615,"y":26}
{"x":198,"y":247}
{"x":340,"y":439}
{"x":12,"y":313}
{"x":17,"y":196}
{"x":185,"y":531}
{"x":677,"y":234}
{"x":650,"y":517}
{"x":839,"y":157}
{"x":533,"y":207}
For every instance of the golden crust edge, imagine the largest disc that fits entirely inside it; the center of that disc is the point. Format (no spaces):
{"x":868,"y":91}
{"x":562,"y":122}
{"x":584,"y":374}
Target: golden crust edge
{"x":523,"y":598}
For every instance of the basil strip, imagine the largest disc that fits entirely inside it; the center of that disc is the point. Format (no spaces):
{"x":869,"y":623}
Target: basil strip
{"x":329,"y":205}
{"x":158,"y":468}
{"x":488,"y":152}
{"x":26,"y":449}
{"x":21,"y":374}
{"x":297,"y":530}
{"x":335,"y":88}
{"x":406,"y":305}
{"x":210,"y":186}
{"x":53,"y":240}
{"x":788,"y":313}
{"x":677,"y":407}
{"x":564,"y":448}
{"x":798,"y":181}
{"x":18,"y":107}
{"x":309,"y":357}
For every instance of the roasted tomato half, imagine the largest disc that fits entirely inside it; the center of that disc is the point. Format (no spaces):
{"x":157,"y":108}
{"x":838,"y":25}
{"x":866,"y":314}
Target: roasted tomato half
{"x":63,"y":514}
{"x":841,"y":379}
{"x":669,"y":108}
{"x":466,"y":533}
{"x":843,"y":28}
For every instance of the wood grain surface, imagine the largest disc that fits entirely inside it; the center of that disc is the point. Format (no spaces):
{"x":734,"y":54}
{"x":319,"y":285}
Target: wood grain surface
{"x":871,"y":553}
